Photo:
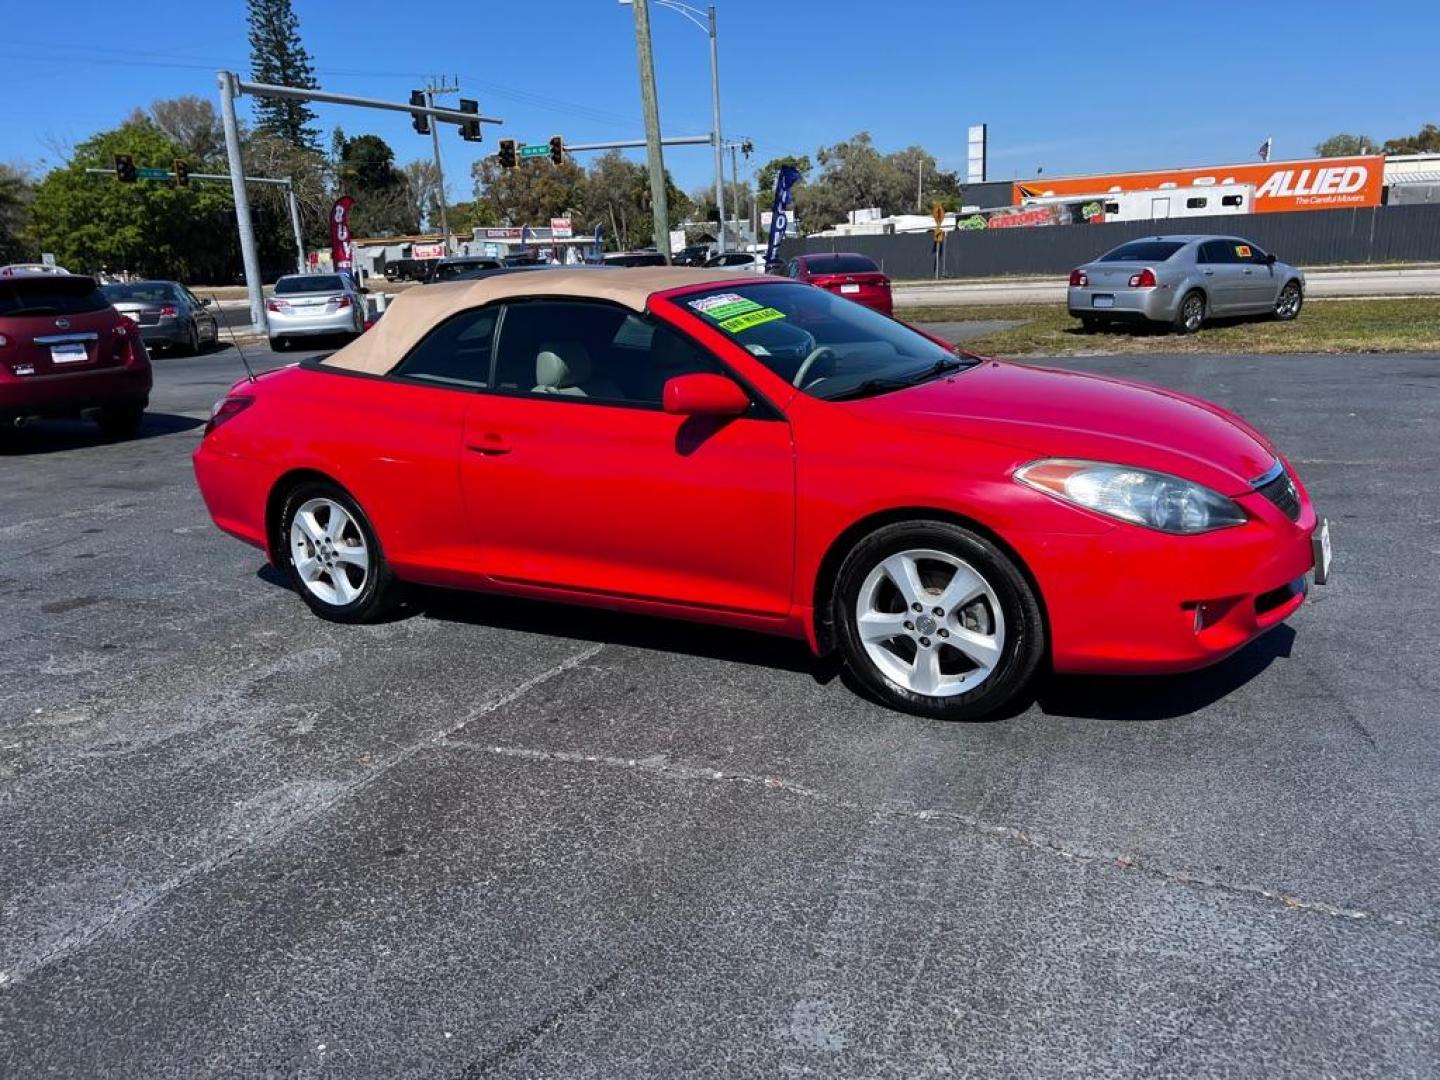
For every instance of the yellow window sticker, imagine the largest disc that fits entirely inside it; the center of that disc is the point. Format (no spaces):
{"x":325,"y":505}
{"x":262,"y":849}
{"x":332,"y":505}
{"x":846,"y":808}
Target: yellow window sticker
{"x":1243,"y":250}
{"x":738,"y":323}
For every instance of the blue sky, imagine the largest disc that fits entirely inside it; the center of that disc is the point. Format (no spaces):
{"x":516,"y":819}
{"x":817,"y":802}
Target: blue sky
{"x":1061,"y":86}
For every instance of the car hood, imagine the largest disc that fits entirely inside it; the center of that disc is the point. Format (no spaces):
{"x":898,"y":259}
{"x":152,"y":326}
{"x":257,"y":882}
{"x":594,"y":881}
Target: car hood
{"x":1044,"y":412}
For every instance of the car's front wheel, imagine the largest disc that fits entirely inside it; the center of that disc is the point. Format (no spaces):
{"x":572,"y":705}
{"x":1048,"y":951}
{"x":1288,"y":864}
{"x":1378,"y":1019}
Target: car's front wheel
{"x":333,"y":556}
{"x":1287,"y":306}
{"x":937,"y":620}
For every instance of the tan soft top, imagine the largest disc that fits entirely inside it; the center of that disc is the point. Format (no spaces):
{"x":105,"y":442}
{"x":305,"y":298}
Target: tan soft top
{"x":413,"y":313}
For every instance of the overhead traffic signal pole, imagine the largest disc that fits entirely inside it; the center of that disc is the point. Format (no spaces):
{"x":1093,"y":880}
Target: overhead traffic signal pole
{"x":230,"y":86}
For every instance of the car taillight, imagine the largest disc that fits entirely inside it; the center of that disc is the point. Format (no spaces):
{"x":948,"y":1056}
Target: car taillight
{"x":1078,"y":280}
{"x":277,"y":305}
{"x":340,"y":301}
{"x":167,"y":312}
{"x":1145,"y":279}
{"x":226,"y":409}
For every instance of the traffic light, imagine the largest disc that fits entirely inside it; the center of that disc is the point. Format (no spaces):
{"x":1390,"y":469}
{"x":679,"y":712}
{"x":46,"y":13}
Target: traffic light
{"x":419,"y":120}
{"x":125,"y":168}
{"x":557,"y":149}
{"x":182,"y":172}
{"x":507,"y":154}
{"x":470,"y":129}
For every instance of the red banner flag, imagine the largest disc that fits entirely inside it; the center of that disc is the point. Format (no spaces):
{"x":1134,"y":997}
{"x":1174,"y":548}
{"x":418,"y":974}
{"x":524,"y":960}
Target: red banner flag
{"x":342,"y":252}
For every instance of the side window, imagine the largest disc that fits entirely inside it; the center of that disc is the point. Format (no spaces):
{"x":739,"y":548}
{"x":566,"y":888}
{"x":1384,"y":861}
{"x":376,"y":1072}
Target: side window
{"x":591,"y":351}
{"x":1217,"y":252}
{"x":1196,"y":202}
{"x":455,"y":353}
{"x":1249,"y":253}
{"x":792,"y":269}
{"x":1232,"y":200}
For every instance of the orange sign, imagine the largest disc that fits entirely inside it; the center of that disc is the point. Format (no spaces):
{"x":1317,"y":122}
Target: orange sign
{"x":1320,"y":184}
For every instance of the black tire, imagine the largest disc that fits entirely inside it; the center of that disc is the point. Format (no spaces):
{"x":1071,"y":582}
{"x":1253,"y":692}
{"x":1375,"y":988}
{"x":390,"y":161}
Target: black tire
{"x":1289,"y":302}
{"x":1186,"y":320}
{"x":278,"y":344}
{"x":120,"y":421}
{"x":380,"y":592}
{"x":1023,"y":646}
{"x":1089,"y":324}
{"x":192,"y":342}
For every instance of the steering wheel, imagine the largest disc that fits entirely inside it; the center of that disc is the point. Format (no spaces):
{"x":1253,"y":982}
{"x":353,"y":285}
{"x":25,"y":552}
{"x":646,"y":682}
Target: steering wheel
{"x":816,"y":355}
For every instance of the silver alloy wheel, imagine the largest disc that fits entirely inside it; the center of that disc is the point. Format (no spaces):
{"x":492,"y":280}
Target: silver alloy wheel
{"x":930,"y":622}
{"x":1193,"y":311}
{"x":329,"y":550}
{"x":1288,"y":305}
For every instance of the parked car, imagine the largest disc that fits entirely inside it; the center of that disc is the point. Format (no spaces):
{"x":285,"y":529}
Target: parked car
{"x":743,"y":261}
{"x":693,"y":255}
{"x":18,"y":269}
{"x":64,"y":351}
{"x":763,"y":454}
{"x":855,"y":277}
{"x":315,"y":305}
{"x":634,"y":258}
{"x":409,"y":269}
{"x":167,"y":313}
{"x":454,"y":267}
{"x":1183,"y":281}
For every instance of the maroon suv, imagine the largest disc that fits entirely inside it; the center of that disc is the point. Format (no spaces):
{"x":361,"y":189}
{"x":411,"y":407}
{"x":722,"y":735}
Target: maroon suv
{"x":64,"y":351}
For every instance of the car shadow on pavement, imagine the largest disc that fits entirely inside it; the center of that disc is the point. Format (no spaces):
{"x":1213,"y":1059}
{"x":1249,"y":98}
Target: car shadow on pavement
{"x":1160,"y":697}
{"x":598,"y":625}
{"x":58,"y":436}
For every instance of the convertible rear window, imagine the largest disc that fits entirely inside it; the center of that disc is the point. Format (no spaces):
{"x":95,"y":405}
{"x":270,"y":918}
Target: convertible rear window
{"x":1143,"y":251}
{"x":50,"y":294}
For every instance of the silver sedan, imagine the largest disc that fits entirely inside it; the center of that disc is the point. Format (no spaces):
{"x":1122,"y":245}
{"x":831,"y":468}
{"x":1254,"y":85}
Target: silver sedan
{"x":314,"y":305}
{"x":1184,"y":280}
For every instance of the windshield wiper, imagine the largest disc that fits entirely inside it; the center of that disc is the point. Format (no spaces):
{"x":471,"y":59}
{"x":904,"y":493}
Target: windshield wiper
{"x":879,"y":385}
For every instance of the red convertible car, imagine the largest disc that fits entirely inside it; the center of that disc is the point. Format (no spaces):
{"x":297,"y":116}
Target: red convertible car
{"x":766,"y":455}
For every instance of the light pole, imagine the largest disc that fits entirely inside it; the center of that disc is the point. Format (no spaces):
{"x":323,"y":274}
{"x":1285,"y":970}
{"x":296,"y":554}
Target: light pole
{"x":705,"y":20}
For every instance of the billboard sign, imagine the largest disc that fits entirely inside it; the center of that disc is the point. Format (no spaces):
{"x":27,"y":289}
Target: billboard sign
{"x":1317,"y":184}
{"x":428,"y":251}
{"x":561,"y":228}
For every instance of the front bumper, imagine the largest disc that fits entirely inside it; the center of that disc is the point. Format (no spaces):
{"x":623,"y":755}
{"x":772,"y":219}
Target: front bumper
{"x":1157,"y":304}
{"x":1135,"y":601}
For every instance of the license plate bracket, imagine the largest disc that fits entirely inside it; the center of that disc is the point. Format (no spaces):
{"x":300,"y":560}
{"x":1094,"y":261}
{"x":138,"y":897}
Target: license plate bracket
{"x":1102,"y":300}
{"x":1320,"y":543}
{"x":69,"y":352}
{"x":849,"y":289}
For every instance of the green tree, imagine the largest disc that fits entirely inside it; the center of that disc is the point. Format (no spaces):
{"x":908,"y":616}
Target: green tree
{"x":192,"y":123}
{"x":1425,"y":141}
{"x":465,"y":217}
{"x":151,"y":227}
{"x":16,"y":193}
{"x":1344,"y":144}
{"x":278,"y":56}
{"x":365,"y":170}
{"x":765,"y":179}
{"x":531,"y":193}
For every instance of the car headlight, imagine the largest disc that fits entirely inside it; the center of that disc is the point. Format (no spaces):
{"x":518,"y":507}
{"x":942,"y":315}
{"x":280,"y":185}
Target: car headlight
{"x":1152,"y":499}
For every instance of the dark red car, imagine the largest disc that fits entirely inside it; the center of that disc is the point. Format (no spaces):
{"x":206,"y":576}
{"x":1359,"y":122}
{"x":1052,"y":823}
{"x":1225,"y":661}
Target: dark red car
{"x":753,"y":452}
{"x":855,"y":277}
{"x":64,"y":351}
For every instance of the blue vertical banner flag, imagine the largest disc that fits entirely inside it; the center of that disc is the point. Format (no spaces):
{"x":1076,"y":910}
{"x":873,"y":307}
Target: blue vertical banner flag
{"x":786,"y":179}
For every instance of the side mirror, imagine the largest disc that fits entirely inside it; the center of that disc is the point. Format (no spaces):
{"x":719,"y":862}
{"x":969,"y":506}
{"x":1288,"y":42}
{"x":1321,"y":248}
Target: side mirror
{"x":1270,"y":259}
{"x":205,"y":301}
{"x":705,"y":395}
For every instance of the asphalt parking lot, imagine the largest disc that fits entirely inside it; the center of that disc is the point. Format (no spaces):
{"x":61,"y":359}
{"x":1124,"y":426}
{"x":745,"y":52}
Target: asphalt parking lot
{"x":510,"y":839}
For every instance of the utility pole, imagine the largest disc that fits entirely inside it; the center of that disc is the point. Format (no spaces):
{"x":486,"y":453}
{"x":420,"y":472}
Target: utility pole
{"x":430,"y":91}
{"x":249,"y":257}
{"x":920,"y":188}
{"x":715,"y":124}
{"x":660,"y":211}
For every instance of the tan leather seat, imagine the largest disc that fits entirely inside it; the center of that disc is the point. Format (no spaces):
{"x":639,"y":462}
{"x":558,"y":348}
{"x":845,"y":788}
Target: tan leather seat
{"x":563,"y":367}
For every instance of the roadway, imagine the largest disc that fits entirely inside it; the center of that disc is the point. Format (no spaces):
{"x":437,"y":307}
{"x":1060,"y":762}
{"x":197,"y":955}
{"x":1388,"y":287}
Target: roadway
{"x":496,"y":838}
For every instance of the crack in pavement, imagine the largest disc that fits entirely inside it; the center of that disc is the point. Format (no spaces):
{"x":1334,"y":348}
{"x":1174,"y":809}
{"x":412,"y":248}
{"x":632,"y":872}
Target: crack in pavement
{"x":660,"y":765}
{"x":142,"y":900}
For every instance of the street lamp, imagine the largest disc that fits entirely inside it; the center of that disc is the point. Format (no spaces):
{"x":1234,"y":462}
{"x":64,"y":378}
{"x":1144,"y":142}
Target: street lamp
{"x":705,"y":20}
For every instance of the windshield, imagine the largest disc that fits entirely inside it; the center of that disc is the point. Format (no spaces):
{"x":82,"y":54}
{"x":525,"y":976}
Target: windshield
{"x":308,"y":283}
{"x":140,"y":292}
{"x":829,"y":347}
{"x":1143,"y":251}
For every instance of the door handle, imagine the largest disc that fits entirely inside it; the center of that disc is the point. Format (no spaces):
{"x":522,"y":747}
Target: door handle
{"x":1249,"y":272}
{"x":490,"y":446}
{"x":1208,"y":273}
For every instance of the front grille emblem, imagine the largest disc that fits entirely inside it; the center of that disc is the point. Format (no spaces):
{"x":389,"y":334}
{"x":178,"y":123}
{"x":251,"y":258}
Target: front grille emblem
{"x":62,"y":324}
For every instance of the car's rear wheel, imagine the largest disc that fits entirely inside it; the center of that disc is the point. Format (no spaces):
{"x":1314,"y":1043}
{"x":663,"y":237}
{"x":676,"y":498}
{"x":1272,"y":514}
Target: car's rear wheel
{"x":937,"y":620}
{"x":333,"y":556}
{"x":1089,"y":324}
{"x":1190,"y":316}
{"x":1288,"y":304}
{"x":279,"y":344}
{"x":120,"y":421}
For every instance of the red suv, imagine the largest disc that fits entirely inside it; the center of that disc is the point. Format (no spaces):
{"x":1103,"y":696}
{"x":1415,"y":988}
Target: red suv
{"x":64,"y":351}
{"x":854,"y":277}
